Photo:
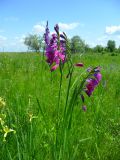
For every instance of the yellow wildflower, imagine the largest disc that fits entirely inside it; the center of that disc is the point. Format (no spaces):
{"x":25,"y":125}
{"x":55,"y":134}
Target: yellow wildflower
{"x":2,"y":117}
{"x":6,"y":131}
{"x":4,"y":128}
{"x":2,"y":102}
{"x":31,"y":117}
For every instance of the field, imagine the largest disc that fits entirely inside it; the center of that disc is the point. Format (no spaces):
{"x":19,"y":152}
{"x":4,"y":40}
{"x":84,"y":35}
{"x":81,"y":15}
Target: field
{"x":31,"y":94}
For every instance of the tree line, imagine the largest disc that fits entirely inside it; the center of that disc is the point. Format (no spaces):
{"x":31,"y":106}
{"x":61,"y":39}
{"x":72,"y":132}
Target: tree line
{"x":77,"y":45}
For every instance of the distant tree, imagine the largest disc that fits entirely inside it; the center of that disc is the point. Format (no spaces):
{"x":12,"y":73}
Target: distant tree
{"x":88,"y":49}
{"x":77,"y":44}
{"x":34,"y":42}
{"x":118,"y":50}
{"x":98,"y":48}
{"x":111,"y":45}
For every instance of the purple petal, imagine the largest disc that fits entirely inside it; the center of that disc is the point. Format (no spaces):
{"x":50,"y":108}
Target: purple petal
{"x":54,"y":67}
{"x":84,"y":108}
{"x":98,"y":76}
{"x":56,"y":28}
{"x":79,"y":64}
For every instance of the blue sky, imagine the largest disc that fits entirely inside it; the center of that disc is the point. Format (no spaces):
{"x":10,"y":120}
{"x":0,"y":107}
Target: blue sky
{"x":95,"y":21}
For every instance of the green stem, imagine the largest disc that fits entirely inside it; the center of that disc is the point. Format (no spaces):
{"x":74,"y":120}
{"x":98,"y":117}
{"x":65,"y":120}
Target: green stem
{"x":68,"y":90}
{"x":77,"y":91}
{"x":58,"y":109}
{"x":31,"y":138}
{"x":59,"y":94}
{"x":69,"y":112}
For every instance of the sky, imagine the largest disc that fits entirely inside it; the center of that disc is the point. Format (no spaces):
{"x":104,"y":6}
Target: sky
{"x":95,"y":21}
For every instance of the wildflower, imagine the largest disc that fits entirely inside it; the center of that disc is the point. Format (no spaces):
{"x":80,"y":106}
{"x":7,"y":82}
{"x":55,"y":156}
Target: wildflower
{"x":2,"y":102}
{"x":98,"y":76}
{"x":93,"y":80}
{"x":1,"y":121}
{"x":6,"y":131}
{"x":46,"y":35}
{"x":55,"y":48}
{"x":56,"y":28}
{"x":89,"y":69}
{"x":2,"y":118}
{"x":54,"y":67}
{"x":63,"y":36}
{"x":84,"y":108}
{"x":97,"y":69}
{"x":79,"y":64}
{"x":31,"y":117}
{"x":5,"y":128}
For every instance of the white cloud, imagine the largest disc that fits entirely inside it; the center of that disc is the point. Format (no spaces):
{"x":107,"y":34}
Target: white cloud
{"x":16,"y":44}
{"x":2,"y":38}
{"x":91,"y":44}
{"x":39,"y":28}
{"x":65,"y":26}
{"x":102,"y":38}
{"x":2,"y":42}
{"x":112,"y":29}
{"x":20,"y":39}
{"x":13,"y":44}
{"x":118,"y":37}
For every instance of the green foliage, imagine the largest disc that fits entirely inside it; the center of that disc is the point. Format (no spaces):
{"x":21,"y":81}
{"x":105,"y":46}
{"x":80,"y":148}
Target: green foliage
{"x":98,"y":48}
{"x":113,"y":54}
{"x":118,"y":50}
{"x":111,"y":45}
{"x":31,"y":91}
{"x":77,"y":45}
{"x":34,"y":42}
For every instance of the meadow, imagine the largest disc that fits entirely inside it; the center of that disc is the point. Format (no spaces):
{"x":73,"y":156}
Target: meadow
{"x":31,"y":91}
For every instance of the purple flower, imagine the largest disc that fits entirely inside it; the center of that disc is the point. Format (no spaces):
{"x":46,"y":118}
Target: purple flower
{"x":93,"y":82}
{"x":98,"y":76}
{"x":55,"y":48}
{"x":90,"y":86}
{"x":56,"y":28}
{"x":54,"y":67}
{"x":84,"y":108}
{"x":62,"y":36}
{"x":79,"y":64}
{"x":89,"y":69}
{"x":46,"y":35}
{"x":97,"y":69}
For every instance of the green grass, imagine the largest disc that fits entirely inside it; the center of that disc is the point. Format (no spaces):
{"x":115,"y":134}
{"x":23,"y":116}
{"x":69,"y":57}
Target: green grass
{"x":28,"y":87}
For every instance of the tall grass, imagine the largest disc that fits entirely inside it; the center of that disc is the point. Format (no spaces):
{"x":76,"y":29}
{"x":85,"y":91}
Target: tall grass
{"x":31,"y":93}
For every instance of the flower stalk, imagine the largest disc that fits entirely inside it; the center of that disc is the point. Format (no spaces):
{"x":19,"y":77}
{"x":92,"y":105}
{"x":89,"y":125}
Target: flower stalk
{"x":58,"y":53}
